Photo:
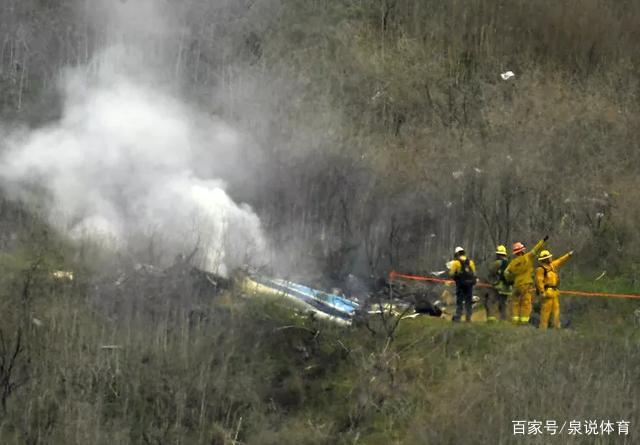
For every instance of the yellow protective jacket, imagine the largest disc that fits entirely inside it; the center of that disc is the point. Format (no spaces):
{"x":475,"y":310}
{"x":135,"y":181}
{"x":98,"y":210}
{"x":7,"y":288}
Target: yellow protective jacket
{"x":496,"y":277}
{"x":547,"y":274}
{"x":520,"y":269}
{"x":456,"y":266}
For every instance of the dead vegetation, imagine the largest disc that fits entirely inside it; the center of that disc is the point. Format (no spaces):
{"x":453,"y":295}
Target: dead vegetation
{"x":183,"y":365}
{"x":382,"y":135}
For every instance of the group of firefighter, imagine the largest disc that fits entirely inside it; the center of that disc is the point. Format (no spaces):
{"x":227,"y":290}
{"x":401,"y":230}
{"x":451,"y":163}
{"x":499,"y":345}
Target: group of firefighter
{"x":514,"y":282}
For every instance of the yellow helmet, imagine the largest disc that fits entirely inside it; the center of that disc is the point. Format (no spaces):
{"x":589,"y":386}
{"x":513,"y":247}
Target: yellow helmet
{"x":501,"y":250}
{"x":544,"y":255}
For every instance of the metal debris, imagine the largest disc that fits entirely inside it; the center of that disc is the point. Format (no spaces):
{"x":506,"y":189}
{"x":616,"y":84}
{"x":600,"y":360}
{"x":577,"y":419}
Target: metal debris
{"x":507,"y":75}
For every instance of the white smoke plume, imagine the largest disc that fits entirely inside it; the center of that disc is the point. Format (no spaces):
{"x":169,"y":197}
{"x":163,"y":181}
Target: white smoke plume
{"x":128,"y":161}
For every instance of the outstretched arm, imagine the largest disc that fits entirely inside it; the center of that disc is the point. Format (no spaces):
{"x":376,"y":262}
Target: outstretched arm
{"x":538,"y":247}
{"x":563,"y":259}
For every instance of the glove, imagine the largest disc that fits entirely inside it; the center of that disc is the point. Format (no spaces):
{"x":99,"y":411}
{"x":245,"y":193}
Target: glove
{"x":546,"y":237}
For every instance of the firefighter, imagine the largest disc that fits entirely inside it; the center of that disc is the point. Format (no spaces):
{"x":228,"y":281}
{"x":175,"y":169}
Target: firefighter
{"x":496,"y":297}
{"x":547,"y":281}
{"x":520,"y":272}
{"x":463,"y":271}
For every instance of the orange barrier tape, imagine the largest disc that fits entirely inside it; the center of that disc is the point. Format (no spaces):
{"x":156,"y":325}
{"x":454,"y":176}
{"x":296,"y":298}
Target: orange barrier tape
{"x":575,"y":293}
{"x":578,"y":293}
{"x":394,"y":274}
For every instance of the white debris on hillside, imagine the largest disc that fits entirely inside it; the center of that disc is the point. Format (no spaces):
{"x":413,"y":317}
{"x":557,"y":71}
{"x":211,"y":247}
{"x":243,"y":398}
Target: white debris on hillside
{"x":507,"y":75}
{"x":62,"y":275}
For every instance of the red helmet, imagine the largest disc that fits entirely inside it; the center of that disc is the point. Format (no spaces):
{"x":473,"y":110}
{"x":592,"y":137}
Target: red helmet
{"x":518,"y":248}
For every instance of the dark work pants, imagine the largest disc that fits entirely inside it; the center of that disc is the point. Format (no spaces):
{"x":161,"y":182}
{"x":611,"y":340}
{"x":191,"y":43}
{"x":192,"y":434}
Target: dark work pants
{"x":496,"y":304}
{"x":464,"y":295}
{"x":502,"y":306}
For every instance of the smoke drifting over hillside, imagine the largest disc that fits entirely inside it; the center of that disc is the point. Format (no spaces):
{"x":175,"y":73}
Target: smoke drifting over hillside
{"x":127,"y":161}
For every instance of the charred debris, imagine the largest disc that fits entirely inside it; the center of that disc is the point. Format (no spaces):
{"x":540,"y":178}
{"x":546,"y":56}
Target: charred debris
{"x":187,"y":289}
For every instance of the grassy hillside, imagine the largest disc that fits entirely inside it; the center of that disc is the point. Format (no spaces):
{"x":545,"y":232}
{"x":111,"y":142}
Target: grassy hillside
{"x":382,"y":132}
{"x":90,"y":361}
{"x":376,"y":135}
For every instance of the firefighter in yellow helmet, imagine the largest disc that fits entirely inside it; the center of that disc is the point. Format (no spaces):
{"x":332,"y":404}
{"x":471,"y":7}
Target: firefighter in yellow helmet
{"x":463,"y":271}
{"x":547,"y":281}
{"x":496,"y":296}
{"x":520,"y":272}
